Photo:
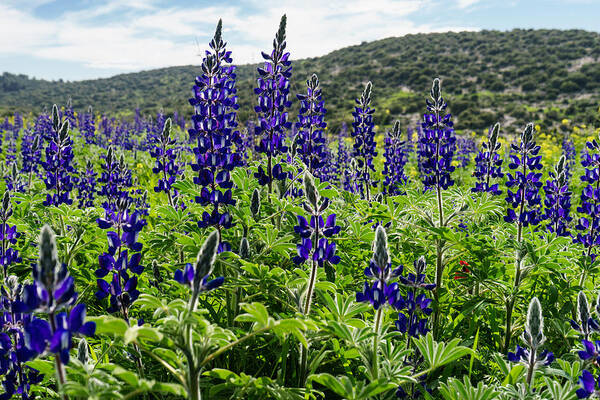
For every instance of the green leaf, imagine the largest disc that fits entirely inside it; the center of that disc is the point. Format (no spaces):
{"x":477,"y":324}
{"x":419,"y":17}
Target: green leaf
{"x":439,"y":354}
{"x":142,"y":332}
{"x":109,"y":325}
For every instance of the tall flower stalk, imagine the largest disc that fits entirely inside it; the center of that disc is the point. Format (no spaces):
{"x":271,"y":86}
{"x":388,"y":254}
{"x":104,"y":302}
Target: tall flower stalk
{"x":382,"y":292}
{"x":589,"y":224}
{"x":273,"y":100}
{"x":310,"y":139}
{"x":59,"y":156}
{"x":315,"y":247}
{"x":213,"y":129}
{"x":558,"y":200}
{"x":52,"y":291}
{"x":488,"y":164}
{"x":524,"y":200}
{"x":534,"y":338}
{"x":396,"y":157}
{"x":167,"y":165}
{"x":363,"y":132}
{"x":437,"y":144}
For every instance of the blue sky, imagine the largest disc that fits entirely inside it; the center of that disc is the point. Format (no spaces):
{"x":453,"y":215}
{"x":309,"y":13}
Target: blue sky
{"x":74,"y":40}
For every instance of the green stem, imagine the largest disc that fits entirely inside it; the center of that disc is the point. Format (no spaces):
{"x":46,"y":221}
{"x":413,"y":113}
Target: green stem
{"x":376,"y":343}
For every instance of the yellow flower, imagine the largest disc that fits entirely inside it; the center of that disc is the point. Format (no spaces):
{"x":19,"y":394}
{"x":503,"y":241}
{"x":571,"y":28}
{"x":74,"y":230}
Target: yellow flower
{"x":565,"y":121}
{"x":537,"y":128}
{"x":387,"y":111}
{"x":140,"y":165}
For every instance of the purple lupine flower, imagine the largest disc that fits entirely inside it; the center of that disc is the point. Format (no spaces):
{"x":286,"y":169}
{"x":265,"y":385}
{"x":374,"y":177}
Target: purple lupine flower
{"x":122,"y":258}
{"x":589,"y":385}
{"x":488,"y":164}
{"x":58,"y":167}
{"x":585,"y":324}
{"x":382,"y":291}
{"x":465,"y":148}
{"x":213,"y":128}
{"x":363,"y":132}
{"x":395,"y":159}
{"x":437,"y":142}
{"x":86,"y":186}
{"x":533,"y":337}
{"x":558,"y":200}
{"x":315,"y":236}
{"x":589,"y":225}
{"x":87,"y":126}
{"x":590,"y":352}
{"x":310,"y":138}
{"x":18,"y":377}
{"x":414,"y":308}
{"x":8,"y":236}
{"x":197,"y":276}
{"x":69,"y":114}
{"x":53,"y":290}
{"x":10,"y":145}
{"x":31,"y":153}
{"x":168,"y":166}
{"x":522,"y":354}
{"x":273,"y":92}
{"x":14,"y":181}
{"x":524,"y":201}
{"x":115,"y":181}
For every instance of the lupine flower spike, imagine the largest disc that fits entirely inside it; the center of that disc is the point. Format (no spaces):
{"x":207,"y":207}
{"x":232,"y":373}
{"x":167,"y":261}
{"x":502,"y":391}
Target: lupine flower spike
{"x":488,"y":164}
{"x":273,"y":92}
{"x":363,"y":132}
{"x":534,"y":338}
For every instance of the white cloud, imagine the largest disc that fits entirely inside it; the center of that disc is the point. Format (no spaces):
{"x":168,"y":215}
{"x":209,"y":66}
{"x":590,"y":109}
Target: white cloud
{"x":146,"y":36}
{"x":466,"y":3}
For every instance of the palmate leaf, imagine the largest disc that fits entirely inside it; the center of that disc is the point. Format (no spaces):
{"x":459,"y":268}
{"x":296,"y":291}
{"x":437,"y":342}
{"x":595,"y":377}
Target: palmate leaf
{"x":247,"y":386}
{"x":455,"y":389}
{"x":257,"y":314}
{"x":352,"y":390}
{"x":556,"y":391}
{"x":439,"y":354}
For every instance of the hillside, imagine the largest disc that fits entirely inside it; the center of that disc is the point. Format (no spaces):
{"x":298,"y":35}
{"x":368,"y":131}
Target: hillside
{"x":514,"y":76}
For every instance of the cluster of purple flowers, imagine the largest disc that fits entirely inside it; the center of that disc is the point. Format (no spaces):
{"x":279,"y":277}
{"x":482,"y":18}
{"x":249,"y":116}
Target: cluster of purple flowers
{"x":525,"y":200}
{"x":314,"y":234}
{"x":168,"y":165}
{"x":383,"y":291}
{"x":558,"y":200}
{"x":124,"y":224}
{"x":87,"y":126}
{"x":363,"y":132}
{"x":273,"y":100}
{"x":590,"y":385}
{"x":589,"y":226}
{"x":31,"y":152}
{"x":86,"y":186}
{"x":396,"y":157}
{"x":8,"y":236}
{"x":215,"y":101}
{"x":52,"y":291}
{"x":488,"y":164}
{"x":437,"y":142}
{"x":310,"y":140}
{"x":58,"y":163}
{"x":465,"y":149}
{"x":197,"y":277}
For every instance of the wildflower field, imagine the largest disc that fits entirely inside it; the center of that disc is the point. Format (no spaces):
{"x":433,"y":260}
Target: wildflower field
{"x":275,"y":258}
